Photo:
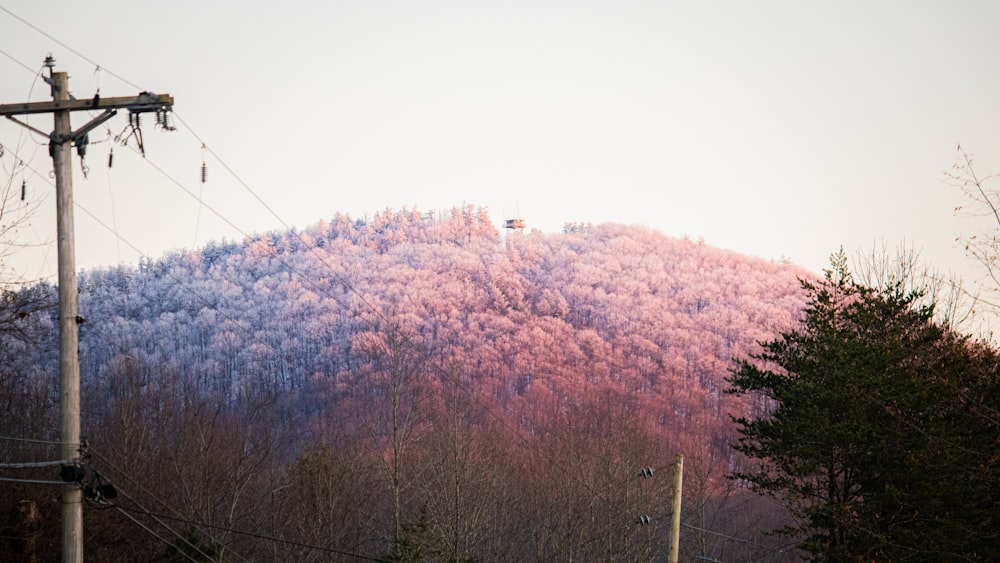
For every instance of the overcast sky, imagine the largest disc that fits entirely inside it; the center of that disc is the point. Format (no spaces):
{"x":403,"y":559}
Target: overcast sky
{"x":777,"y":129}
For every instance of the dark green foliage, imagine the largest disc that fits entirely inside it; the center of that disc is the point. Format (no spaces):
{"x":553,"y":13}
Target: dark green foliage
{"x":878,"y":430}
{"x":416,"y":544}
{"x":195,"y":547}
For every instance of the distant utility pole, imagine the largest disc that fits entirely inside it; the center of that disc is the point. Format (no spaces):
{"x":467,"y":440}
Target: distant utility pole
{"x":675,"y":523}
{"x":61,"y":141}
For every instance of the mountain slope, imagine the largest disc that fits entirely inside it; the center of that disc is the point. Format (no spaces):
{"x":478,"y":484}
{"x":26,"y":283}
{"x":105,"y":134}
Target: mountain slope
{"x":606,"y":307}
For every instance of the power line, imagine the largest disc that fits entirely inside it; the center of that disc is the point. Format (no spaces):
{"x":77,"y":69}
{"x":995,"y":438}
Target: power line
{"x":67,"y":47}
{"x":159,"y":537}
{"x":276,"y":540}
{"x":34,"y":481}
{"x":11,"y":57}
{"x":143,"y":510}
{"x":32,"y":441}
{"x":119,"y":490}
{"x":28,"y":210}
{"x":35,"y":464}
{"x":728,"y":537}
{"x":337,"y":275}
{"x":118,"y":237}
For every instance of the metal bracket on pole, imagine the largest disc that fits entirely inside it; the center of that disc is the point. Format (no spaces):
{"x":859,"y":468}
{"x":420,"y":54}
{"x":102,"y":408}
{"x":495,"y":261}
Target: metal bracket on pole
{"x":29,"y":127}
{"x":108,"y":114}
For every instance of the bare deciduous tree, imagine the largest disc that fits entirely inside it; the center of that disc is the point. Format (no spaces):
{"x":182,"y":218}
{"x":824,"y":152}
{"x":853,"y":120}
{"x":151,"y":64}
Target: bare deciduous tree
{"x":983,"y":203}
{"x":954,"y":305}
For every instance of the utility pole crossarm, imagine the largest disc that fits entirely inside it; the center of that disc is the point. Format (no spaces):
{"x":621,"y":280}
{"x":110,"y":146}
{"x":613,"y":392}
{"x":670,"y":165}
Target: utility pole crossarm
{"x":144,"y":102}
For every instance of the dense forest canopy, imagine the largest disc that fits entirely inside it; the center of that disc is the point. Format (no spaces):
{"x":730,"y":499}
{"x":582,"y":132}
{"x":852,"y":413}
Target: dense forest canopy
{"x":613,"y":305}
{"x":421,"y":346}
{"x":525,"y":315}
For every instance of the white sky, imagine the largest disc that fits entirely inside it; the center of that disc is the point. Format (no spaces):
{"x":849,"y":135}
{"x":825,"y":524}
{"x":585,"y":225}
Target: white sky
{"x":776,"y":129}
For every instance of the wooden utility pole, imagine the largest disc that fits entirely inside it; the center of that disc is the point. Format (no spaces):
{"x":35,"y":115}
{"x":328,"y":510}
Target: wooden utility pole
{"x":675,"y":522}
{"x":69,"y":330}
{"x":61,"y":141}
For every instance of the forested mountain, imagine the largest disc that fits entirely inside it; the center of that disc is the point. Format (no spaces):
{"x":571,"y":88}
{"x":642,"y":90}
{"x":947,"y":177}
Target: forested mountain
{"x":413,"y":386}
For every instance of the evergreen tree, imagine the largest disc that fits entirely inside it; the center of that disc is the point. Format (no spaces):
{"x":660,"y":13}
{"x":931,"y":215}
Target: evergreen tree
{"x":870,"y":432}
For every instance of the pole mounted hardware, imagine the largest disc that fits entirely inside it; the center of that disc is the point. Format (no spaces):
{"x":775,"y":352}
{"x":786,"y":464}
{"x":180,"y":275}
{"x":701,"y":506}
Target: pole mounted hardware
{"x":145,"y":102}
